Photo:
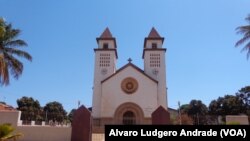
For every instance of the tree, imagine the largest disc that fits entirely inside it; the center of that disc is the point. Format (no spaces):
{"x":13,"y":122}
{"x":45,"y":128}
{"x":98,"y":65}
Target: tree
{"x":215,"y":107}
{"x":185,"y":120}
{"x":233,"y":105}
{"x":245,"y":30}
{"x":31,"y":109}
{"x":227,"y":105}
{"x":2,"y":29}
{"x":184,"y":108}
{"x":55,"y":111}
{"x":198,"y":111}
{"x":6,"y":133}
{"x":244,"y":94}
{"x":9,"y":51}
{"x":71,"y":115}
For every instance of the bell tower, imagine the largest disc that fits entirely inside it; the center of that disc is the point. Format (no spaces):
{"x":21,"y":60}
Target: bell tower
{"x":105,"y":65}
{"x":154,"y":63}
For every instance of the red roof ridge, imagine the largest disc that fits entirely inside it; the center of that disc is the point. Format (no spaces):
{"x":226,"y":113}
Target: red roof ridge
{"x":4,"y":107}
{"x":106,"y":34}
{"x":133,"y":66}
{"x":153,"y":33}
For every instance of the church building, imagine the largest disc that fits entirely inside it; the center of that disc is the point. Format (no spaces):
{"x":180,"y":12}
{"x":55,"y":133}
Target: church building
{"x":128,"y":95}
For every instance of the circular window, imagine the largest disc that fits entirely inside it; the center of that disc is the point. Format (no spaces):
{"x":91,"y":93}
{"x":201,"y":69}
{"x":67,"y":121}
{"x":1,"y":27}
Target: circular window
{"x":129,"y":85}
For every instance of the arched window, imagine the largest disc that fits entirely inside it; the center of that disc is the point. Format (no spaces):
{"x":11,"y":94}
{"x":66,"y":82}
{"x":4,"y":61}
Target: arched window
{"x":129,"y":118}
{"x":154,"y":45}
{"x":105,"y":46}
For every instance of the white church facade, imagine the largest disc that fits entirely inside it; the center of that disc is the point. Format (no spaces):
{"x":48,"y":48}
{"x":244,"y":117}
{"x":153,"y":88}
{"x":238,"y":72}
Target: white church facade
{"x":128,"y":95}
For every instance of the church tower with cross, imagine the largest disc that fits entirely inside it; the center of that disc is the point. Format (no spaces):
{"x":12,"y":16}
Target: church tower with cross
{"x":128,"y":95}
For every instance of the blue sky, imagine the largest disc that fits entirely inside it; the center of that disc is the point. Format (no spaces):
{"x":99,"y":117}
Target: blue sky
{"x":202,"y":62}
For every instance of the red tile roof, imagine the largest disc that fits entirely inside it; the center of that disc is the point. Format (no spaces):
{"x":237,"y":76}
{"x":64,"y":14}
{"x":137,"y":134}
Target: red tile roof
{"x":4,"y":107}
{"x":106,"y":34}
{"x":154,"y":34}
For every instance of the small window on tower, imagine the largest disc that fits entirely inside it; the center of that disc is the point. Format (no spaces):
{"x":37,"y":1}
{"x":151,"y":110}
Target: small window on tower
{"x":154,"y":45}
{"x":105,"y":46}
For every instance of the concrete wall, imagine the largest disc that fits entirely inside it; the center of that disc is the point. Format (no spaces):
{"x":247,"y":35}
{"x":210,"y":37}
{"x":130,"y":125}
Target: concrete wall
{"x":44,"y":133}
{"x":237,"y":119}
{"x":11,"y":117}
{"x":98,"y":137}
{"x":35,"y":132}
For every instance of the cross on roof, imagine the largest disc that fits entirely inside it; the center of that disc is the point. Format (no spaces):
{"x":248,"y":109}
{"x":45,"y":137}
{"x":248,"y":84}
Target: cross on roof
{"x":129,"y":60}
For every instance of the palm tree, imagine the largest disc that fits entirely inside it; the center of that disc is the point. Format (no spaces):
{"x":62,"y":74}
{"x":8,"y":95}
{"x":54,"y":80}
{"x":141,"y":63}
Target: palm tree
{"x":2,"y":30}
{"x":6,"y":133}
{"x":245,"y":30}
{"x":9,"y":50}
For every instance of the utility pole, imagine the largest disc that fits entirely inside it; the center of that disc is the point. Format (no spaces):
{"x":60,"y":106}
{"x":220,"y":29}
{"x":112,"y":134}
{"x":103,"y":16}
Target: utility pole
{"x":179,"y":104}
{"x":46,"y":116}
{"x":79,"y":103}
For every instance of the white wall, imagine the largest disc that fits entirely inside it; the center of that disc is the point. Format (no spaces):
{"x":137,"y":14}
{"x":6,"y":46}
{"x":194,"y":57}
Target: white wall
{"x":160,"y":77}
{"x":35,"y":132}
{"x":98,"y":77}
{"x":149,"y":43}
{"x":113,"y":96}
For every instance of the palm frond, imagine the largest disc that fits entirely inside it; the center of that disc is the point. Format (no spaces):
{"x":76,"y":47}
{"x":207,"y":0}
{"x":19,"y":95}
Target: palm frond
{"x":10,"y":34}
{"x":242,"y":40}
{"x":16,"y":43}
{"x":247,"y":47}
{"x":16,"y":68}
{"x":6,"y":133}
{"x":243,"y":29}
{"x":19,"y":53}
{"x":248,"y":18}
{"x":8,"y":51}
{"x":14,"y":137}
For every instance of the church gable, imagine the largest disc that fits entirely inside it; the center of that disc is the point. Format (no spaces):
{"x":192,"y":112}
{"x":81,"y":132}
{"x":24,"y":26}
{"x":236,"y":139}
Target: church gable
{"x":134,"y":67}
{"x":128,"y":85}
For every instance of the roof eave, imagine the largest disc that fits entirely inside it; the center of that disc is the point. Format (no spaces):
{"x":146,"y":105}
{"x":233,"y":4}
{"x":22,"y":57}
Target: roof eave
{"x":135,"y":67}
{"x":150,"y":38}
{"x":113,"y":39}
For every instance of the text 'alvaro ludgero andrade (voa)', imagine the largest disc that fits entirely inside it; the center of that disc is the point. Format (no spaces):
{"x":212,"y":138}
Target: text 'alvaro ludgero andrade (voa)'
{"x":175,"y":132}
